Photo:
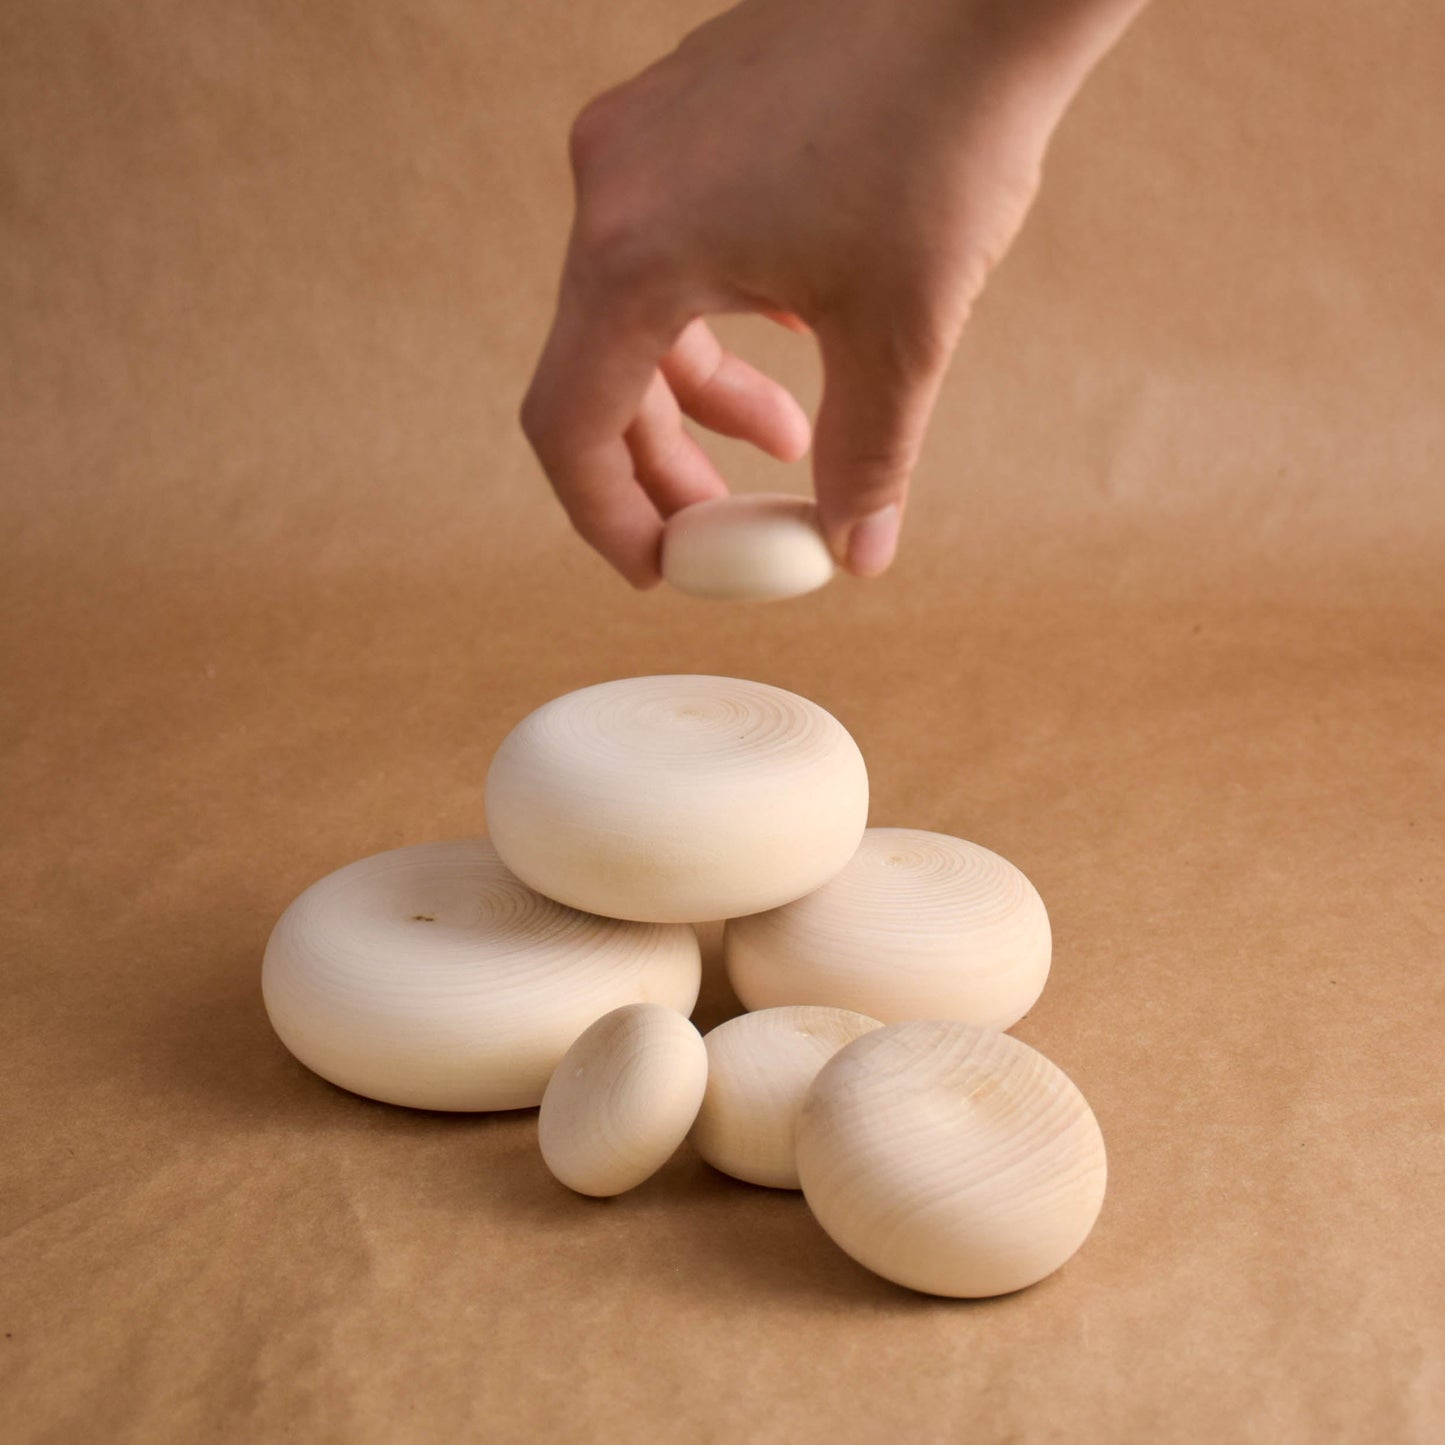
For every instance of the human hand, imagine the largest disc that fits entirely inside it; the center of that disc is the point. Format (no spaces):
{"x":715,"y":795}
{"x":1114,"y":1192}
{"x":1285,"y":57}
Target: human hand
{"x":851,"y":167}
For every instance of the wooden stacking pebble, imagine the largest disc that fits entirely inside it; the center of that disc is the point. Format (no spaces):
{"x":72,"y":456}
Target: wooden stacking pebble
{"x":430,"y":976}
{"x":553,"y":963}
{"x":917,"y":926}
{"x":757,"y":547}
{"x":949,"y":1158}
{"x":622,"y":1099}
{"x":759,"y":1066}
{"x":677,"y":799}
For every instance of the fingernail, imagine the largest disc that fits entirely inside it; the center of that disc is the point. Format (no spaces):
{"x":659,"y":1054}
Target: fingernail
{"x":873,"y":541}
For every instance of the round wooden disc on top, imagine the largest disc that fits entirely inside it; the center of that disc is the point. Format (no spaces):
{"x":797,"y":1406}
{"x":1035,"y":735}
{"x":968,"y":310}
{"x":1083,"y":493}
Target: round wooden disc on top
{"x":677,"y":799}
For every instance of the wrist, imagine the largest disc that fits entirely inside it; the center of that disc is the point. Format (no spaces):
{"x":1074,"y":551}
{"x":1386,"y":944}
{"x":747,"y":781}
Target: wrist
{"x":1059,"y":39}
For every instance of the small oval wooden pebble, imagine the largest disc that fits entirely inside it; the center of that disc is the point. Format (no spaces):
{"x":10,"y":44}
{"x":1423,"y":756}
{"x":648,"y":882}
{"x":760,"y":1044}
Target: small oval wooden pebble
{"x":917,"y":925}
{"x":952,"y":1159}
{"x":432,"y":977}
{"x":622,"y":1099}
{"x":759,"y":1068}
{"x":754,"y":547}
{"x":677,"y":799}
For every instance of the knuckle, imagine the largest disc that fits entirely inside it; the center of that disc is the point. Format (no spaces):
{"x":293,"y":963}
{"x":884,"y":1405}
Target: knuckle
{"x":913,"y":351}
{"x":532,"y":416}
{"x":989,"y":241}
{"x":872,"y":470}
{"x":913,"y":333}
{"x":617,"y":244}
{"x":878,"y":476}
{"x":922,"y":350}
{"x":592,"y":131}
{"x":977,"y":266}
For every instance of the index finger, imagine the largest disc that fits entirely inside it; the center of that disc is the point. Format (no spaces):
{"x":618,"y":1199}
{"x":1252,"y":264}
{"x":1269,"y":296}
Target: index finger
{"x":598,"y":361}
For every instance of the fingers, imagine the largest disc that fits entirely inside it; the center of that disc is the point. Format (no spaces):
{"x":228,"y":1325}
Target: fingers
{"x":724,"y":393}
{"x":877,"y":398}
{"x":673,"y":470}
{"x":604,"y":415}
{"x":596,"y":368}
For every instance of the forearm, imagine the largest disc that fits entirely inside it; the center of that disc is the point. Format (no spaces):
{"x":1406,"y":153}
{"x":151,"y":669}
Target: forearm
{"x":1082,"y":29}
{"x":1043,"y":45}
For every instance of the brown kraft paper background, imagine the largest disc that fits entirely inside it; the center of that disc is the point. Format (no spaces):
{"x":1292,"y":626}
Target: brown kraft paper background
{"x":279,"y":573}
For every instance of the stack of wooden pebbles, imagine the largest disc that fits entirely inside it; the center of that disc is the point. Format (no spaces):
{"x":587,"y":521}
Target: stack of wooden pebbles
{"x":554,"y":962}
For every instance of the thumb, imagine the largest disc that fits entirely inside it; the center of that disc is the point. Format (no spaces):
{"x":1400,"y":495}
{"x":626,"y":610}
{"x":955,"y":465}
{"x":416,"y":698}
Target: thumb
{"x":877,"y":398}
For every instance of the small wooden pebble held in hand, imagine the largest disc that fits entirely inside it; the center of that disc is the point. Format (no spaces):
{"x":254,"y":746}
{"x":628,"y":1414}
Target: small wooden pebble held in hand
{"x":916,"y":925}
{"x":677,"y":799}
{"x":755,"y":547}
{"x":431,"y":977}
{"x":759,"y":1067}
{"x":622,"y":1099}
{"x":952,"y":1159}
